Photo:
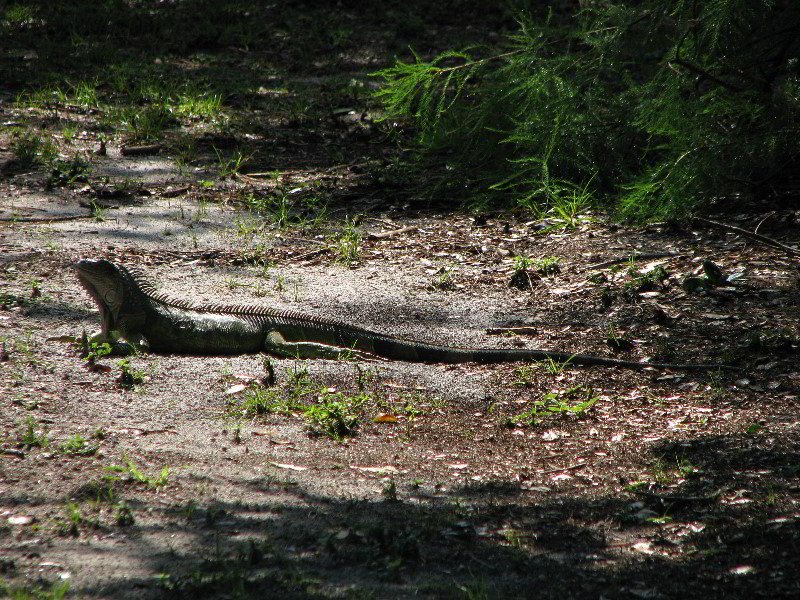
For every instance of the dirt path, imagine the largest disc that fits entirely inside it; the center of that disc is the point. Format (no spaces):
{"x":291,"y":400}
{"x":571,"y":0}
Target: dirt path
{"x":451,"y":481}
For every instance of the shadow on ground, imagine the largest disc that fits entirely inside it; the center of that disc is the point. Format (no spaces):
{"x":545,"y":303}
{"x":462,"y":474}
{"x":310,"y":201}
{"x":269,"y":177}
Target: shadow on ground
{"x":483,"y":540}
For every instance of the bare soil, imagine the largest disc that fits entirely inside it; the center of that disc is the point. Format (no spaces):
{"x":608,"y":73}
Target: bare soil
{"x":670,"y":485}
{"x":665,"y":485}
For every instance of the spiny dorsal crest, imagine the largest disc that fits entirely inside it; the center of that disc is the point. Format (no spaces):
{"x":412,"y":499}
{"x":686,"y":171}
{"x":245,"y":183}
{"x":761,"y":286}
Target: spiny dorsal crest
{"x":139,"y":281}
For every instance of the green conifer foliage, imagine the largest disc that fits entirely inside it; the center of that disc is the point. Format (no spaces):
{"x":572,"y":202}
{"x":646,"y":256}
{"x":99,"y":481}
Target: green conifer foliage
{"x":665,"y":108}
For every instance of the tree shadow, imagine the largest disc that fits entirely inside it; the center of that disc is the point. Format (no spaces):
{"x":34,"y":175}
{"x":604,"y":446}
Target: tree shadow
{"x":493,"y":539}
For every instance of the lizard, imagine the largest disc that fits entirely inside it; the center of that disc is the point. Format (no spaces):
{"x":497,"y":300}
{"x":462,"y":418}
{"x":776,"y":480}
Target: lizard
{"x":136,"y":317}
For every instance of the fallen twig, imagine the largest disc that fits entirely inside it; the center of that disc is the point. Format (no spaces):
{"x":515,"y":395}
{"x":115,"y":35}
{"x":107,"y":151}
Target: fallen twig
{"x":633,"y":256}
{"x":311,"y":254}
{"x":393,"y":233}
{"x":279,"y":173}
{"x":45,"y":220}
{"x":673,"y":499}
{"x":516,"y":330}
{"x":753,"y":236}
{"x":140,"y":150}
{"x":175,"y":192}
{"x":569,"y":468}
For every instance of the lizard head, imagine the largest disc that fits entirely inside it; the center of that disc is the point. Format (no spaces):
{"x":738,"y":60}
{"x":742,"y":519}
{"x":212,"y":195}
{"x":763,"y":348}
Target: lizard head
{"x":104,"y":282}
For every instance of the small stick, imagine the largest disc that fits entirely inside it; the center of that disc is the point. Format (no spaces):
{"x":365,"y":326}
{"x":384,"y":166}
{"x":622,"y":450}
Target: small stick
{"x":516,"y":330}
{"x":668,"y":498}
{"x":140,"y":150}
{"x":45,"y":220}
{"x":175,"y":192}
{"x":393,"y":233}
{"x":570,"y":468}
{"x":634,"y":256}
{"x":311,"y":254}
{"x":753,"y":236}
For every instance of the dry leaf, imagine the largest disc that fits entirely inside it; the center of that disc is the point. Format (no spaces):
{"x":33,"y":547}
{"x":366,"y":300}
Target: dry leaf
{"x":385,"y":418}
{"x":290,"y":467}
{"x":20,"y":520}
{"x":384,"y":469}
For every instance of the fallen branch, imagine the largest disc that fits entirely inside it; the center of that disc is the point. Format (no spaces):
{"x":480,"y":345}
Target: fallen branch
{"x":570,"y":468}
{"x":279,"y":173}
{"x":393,"y":233}
{"x":312,"y":254}
{"x":515,"y":330}
{"x":175,"y":192}
{"x":753,"y":236}
{"x":140,"y":150}
{"x":633,"y":256}
{"x":45,"y":220}
{"x":667,"y":498}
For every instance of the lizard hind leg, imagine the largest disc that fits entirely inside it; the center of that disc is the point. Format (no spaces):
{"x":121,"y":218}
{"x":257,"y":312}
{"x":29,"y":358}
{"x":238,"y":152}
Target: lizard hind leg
{"x":276,"y":344}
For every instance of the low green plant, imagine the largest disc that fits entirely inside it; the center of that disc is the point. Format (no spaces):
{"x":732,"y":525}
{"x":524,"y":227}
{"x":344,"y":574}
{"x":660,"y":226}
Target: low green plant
{"x":36,"y":287}
{"x":389,"y":491}
{"x":30,"y":149}
{"x":67,"y":172}
{"x":44,"y":591}
{"x":247,"y":227}
{"x":576,"y":400}
{"x":145,"y":124}
{"x":411,"y":411}
{"x":525,"y":374}
{"x":644,"y":282}
{"x":230,"y":165}
{"x":334,"y":414}
{"x":98,"y":211}
{"x":553,"y":366}
{"x":326,"y":410}
{"x":259,"y":400}
{"x":84,"y":93}
{"x":77,"y":445}
{"x":94,"y":351}
{"x":597,"y":278}
{"x":548,"y":265}
{"x":347,"y":243}
{"x":522,"y":263}
{"x":71,"y":525}
{"x":686,"y":468}
{"x":19,"y":14}
{"x":570,"y":204}
{"x":444,"y":279}
{"x":560,"y":204}
{"x":137,"y":475}
{"x":199,"y":104}
{"x":662,"y":474}
{"x":68,"y":132}
{"x":123,"y":515}
{"x":30,"y":435}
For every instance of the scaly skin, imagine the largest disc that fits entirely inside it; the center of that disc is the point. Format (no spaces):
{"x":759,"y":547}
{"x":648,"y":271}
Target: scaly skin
{"x":135,"y":317}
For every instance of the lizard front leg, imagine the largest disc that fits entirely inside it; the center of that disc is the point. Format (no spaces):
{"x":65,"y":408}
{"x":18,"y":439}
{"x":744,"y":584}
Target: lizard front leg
{"x":120,"y":346}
